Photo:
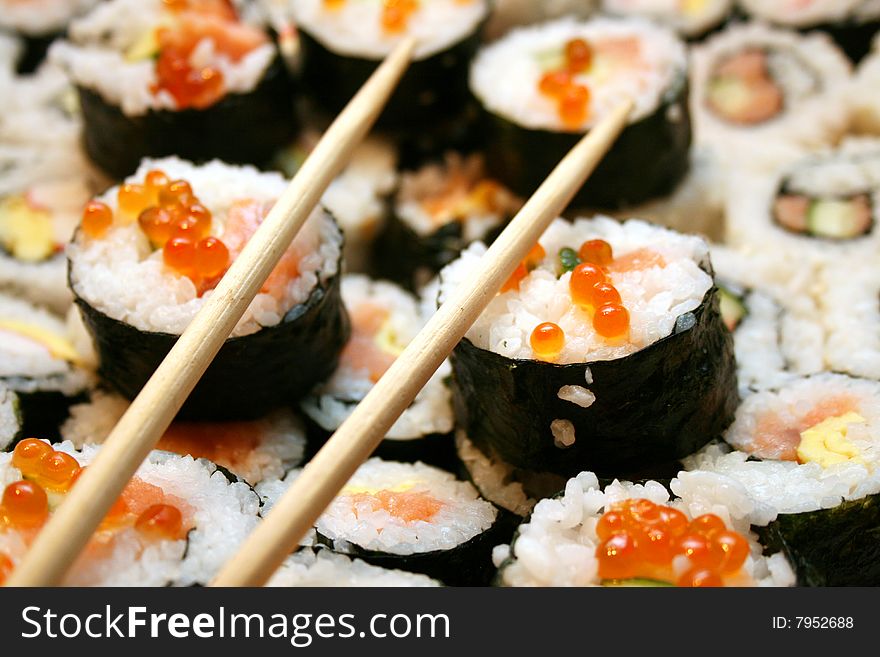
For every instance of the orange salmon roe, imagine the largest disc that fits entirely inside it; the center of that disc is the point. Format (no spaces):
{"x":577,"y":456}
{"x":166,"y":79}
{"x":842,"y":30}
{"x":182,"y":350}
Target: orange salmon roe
{"x":602,"y":294}
{"x":6,"y":567}
{"x":578,"y":55}
{"x":132,"y":198}
{"x":554,"y":83}
{"x":574,"y":106}
{"x":56,"y":471}
{"x":334,"y":4}
{"x":211,"y":257}
{"x":190,"y":87}
{"x":154,"y":182}
{"x":583,"y":278}
{"x":700,"y":578}
{"x":176,"y":191}
{"x":160,"y":521}
{"x":96,"y":219}
{"x":179,"y":253}
{"x":547,"y":341}
{"x":156,"y":224}
{"x":25,"y":504}
{"x":534,"y":256}
{"x":396,"y":14}
{"x":611,"y":321}
{"x":596,"y":251}
{"x":28,"y":454}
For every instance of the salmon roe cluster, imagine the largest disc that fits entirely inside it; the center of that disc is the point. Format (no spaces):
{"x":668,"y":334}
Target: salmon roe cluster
{"x":396,"y":14}
{"x":592,"y":290}
{"x":640,"y":539}
{"x":572,"y":99}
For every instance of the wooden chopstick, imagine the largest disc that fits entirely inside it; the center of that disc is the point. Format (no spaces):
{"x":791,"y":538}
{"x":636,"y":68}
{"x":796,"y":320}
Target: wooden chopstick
{"x":360,"y":434}
{"x":69,"y":529}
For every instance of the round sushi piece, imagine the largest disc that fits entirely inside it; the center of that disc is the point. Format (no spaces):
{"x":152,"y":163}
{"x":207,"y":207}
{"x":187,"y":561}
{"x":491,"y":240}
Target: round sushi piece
{"x":819,"y":209}
{"x":157,"y":78}
{"x":807,"y":454}
{"x":343,"y":41}
{"x":177,"y":521}
{"x":692,"y":20}
{"x":321,"y":567}
{"x":851,"y":23}
{"x":150,"y":252}
{"x":605,"y":349}
{"x":761,"y":93}
{"x":629,"y":534}
{"x":541,"y":87}
{"x":38,"y":23}
{"x":39,"y":362}
{"x":409,"y":516}
{"x":384,"y":318}
{"x":252,"y":450}
{"x":777,"y":326}
{"x":438,"y":210}
{"x":10,"y":417}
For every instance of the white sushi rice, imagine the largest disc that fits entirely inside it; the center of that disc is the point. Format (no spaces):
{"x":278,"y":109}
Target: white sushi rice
{"x":809,"y":13}
{"x":10,"y":419}
{"x":505,"y":75}
{"x":223,"y":514}
{"x":507,"y":14}
{"x":654,"y":297}
{"x":355,"y":28}
{"x":40,"y":17}
{"x":280,"y":436}
{"x":122,"y":276}
{"x":557,"y":546}
{"x":863,"y":99}
{"x":95,"y":57}
{"x":325,"y":568}
{"x":688,"y":19}
{"x":462,"y":516}
{"x":333,"y":401}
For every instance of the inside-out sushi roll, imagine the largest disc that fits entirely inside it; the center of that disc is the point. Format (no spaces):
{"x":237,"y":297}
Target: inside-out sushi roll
{"x":252,"y":450}
{"x":807,"y":454}
{"x":148,"y":254}
{"x":852,"y":23}
{"x":10,"y":417}
{"x":176,"y":522}
{"x":325,"y":568}
{"x":343,"y":41}
{"x":384,"y":318}
{"x":760,"y":93}
{"x":543,"y":86}
{"x":39,"y":362}
{"x":438,"y":210}
{"x":605,"y":349}
{"x":38,"y":22}
{"x":158,"y":78}
{"x":413,"y":517}
{"x":692,"y":20}
{"x":635,"y":535}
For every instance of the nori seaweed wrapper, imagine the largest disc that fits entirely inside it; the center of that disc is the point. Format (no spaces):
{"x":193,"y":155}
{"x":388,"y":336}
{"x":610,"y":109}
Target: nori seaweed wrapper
{"x":830,"y":547}
{"x":654,"y":406}
{"x":251,"y":375}
{"x":854,"y":38}
{"x":34,"y":52}
{"x":648,"y":160}
{"x":240,"y":128}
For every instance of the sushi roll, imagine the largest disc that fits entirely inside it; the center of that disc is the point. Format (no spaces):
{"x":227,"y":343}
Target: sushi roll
{"x":10,"y":417}
{"x":413,"y":517}
{"x":149,"y":252}
{"x":760,"y":94}
{"x":343,"y":41}
{"x":438,"y":210}
{"x":692,"y":20}
{"x":38,"y":23}
{"x":322,"y":567}
{"x":186,"y":78}
{"x":253,"y":451}
{"x":819,"y":209}
{"x":39,"y":363}
{"x":384,"y":318}
{"x":629,"y":534}
{"x":807,"y":454}
{"x":605,"y":349}
{"x":851,"y":23}
{"x":175,"y":523}
{"x":541,"y":87}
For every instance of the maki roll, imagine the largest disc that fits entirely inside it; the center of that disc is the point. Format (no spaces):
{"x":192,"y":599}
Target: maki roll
{"x":39,"y":22}
{"x":149,"y":252}
{"x":343,"y":41}
{"x":413,"y":517}
{"x":384,"y":318}
{"x":629,"y":534}
{"x":38,"y":362}
{"x":438,"y":210}
{"x":175,"y":523}
{"x":186,"y":78}
{"x":851,"y":23}
{"x":692,"y":20}
{"x":761,"y":94}
{"x":605,"y":349}
{"x":10,"y":417}
{"x":322,"y":567}
{"x":807,"y":453}
{"x":542,"y":87}
{"x":253,"y":451}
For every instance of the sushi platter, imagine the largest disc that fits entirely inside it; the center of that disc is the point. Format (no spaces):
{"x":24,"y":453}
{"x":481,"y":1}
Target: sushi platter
{"x":677,"y":385}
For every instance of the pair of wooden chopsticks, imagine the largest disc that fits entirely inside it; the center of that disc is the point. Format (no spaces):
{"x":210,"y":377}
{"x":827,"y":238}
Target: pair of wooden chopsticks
{"x":138,"y":431}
